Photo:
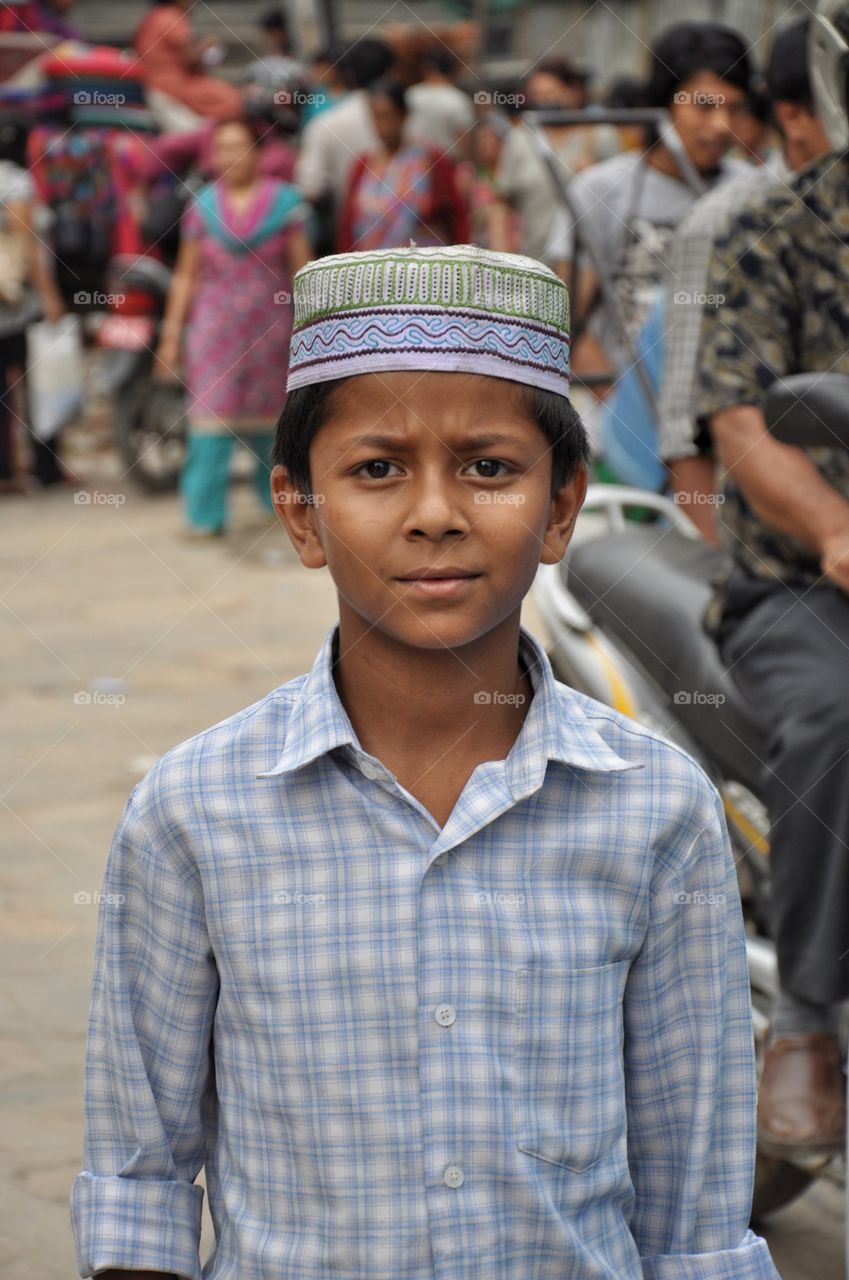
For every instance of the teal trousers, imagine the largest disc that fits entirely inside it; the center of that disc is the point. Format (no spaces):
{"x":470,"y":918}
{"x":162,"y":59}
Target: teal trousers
{"x":205,"y":475}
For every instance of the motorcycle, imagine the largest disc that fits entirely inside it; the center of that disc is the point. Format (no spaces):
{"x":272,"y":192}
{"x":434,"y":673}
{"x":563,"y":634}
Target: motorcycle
{"x":150,"y":415}
{"x":624,"y":611}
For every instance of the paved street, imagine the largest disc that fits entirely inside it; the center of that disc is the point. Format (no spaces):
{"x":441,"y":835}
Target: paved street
{"x":121,"y":641}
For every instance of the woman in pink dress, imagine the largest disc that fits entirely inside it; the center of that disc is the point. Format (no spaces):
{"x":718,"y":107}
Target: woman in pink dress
{"x":230,"y":308}
{"x":171,"y":61}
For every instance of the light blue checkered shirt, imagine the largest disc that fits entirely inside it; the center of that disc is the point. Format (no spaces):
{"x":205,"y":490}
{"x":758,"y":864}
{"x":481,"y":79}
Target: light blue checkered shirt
{"x":515,"y":1048}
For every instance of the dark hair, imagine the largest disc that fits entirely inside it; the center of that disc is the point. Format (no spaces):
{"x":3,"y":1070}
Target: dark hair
{"x":442,"y":60}
{"x":391,"y":89}
{"x":787,"y":70}
{"x":307,"y":408}
{"x":759,"y":101}
{"x":627,"y":93}
{"x":684,"y":50}
{"x":364,"y":62}
{"x":563,"y":70}
{"x":274,"y":20}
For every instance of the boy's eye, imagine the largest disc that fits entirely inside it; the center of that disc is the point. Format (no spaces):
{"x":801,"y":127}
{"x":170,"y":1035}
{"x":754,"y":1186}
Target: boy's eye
{"x":373,"y":462}
{"x":487,"y":462}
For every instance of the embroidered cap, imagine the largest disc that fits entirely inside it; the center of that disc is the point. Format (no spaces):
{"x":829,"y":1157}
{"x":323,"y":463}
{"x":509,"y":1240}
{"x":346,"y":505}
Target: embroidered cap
{"x":444,"y":308}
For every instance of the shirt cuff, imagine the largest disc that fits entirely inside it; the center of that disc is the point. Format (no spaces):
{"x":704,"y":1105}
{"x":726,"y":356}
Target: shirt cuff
{"x":751,"y":1260}
{"x":137,"y":1224}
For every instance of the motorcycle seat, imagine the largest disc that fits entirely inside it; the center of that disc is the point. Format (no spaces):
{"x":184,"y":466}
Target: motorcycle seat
{"x":647,"y":588}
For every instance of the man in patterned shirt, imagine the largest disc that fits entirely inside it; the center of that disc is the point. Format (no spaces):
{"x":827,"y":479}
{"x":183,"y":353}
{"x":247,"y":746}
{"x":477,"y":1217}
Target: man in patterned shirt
{"x":781,"y":612}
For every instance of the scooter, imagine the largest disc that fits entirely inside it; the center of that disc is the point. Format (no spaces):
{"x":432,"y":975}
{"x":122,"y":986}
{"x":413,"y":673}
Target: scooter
{"x":624,"y":610}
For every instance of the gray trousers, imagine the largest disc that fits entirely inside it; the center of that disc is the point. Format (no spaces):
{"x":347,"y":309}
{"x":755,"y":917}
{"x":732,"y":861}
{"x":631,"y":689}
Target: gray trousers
{"x":788,"y":647}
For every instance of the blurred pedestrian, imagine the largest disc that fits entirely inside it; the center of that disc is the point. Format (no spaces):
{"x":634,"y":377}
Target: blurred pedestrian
{"x":243,"y":237}
{"x":27,"y":290}
{"x":444,"y":112}
{"x":524,"y":180}
{"x":172,"y":62}
{"x":401,"y":190}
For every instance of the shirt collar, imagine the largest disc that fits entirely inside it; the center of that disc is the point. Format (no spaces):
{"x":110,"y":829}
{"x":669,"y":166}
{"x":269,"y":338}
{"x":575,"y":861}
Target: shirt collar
{"x":555,"y":728}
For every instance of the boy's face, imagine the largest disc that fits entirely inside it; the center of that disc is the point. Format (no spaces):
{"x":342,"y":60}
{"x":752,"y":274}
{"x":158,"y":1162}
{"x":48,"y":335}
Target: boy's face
{"x":408,"y":477}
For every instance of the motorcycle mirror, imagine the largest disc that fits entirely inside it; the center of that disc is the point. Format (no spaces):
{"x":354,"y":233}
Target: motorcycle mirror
{"x":809,"y":410}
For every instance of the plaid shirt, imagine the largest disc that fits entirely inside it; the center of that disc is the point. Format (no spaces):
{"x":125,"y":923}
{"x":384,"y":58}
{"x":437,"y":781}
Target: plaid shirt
{"x":517,"y":1046}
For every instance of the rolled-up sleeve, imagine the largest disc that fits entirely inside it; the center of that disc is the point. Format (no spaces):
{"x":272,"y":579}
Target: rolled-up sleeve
{"x":690,"y":1070}
{"x":148,"y":1069}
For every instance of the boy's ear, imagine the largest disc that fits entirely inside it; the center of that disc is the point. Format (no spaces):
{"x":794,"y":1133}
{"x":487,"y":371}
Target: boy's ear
{"x":565,"y":505}
{"x":297,"y":513}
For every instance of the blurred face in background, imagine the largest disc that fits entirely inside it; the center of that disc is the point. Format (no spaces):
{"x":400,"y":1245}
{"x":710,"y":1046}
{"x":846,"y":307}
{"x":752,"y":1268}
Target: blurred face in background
{"x":546,"y":90}
{"x":388,"y":121}
{"x":486,"y":147}
{"x":234,"y":154}
{"x":705,"y":111}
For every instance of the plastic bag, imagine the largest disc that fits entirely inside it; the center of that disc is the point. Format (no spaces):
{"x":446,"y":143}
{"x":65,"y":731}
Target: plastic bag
{"x":54,"y":374}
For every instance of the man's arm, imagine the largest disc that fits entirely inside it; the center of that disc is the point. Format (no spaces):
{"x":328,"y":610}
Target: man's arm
{"x":690,"y":1076}
{"x":136,"y":1204}
{"x":694,"y":491}
{"x":784,"y":488}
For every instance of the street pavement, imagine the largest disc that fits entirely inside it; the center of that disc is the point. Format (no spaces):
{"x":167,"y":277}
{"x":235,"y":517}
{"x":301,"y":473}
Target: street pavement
{"x":120,"y":642}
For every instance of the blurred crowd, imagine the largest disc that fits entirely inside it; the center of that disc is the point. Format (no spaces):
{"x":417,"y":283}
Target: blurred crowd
{"x":235,"y":183}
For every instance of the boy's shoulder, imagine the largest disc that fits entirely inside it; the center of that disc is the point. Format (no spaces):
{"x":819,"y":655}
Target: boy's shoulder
{"x":664,"y":768}
{"x":222,"y":756}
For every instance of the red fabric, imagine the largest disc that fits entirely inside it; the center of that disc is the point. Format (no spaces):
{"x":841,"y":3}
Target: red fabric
{"x":447,"y":204}
{"x":163,"y":42}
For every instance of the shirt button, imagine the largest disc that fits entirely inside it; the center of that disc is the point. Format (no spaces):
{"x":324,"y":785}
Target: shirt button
{"x":369,"y":770}
{"x":453,"y":1176}
{"x":445,"y":1014}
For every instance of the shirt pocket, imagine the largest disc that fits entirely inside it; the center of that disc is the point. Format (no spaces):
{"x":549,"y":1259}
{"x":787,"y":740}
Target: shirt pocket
{"x":568,"y":1070}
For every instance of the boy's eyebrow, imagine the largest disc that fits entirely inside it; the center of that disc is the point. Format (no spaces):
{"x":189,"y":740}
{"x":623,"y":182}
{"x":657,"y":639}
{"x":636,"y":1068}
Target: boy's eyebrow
{"x":486,"y":441}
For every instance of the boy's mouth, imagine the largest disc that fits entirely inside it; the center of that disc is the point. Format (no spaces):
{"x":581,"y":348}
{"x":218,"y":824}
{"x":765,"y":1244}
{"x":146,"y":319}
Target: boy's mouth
{"x":444,"y":581}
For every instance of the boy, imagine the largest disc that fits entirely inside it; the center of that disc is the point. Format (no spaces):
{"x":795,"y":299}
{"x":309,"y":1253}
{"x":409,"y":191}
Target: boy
{"x":435,"y":965}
